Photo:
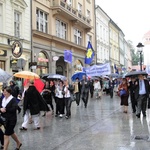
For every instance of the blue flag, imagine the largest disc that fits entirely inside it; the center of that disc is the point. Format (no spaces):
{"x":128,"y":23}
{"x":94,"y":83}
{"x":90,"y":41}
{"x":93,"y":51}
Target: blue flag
{"x":68,"y":56}
{"x":116,"y":69}
{"x":89,"y":54}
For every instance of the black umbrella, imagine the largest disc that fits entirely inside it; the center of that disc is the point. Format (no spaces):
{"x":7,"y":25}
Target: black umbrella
{"x":135,"y":73}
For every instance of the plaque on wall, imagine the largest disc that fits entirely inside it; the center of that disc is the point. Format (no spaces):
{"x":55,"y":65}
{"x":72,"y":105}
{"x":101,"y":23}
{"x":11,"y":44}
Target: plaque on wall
{"x":17,"y":49}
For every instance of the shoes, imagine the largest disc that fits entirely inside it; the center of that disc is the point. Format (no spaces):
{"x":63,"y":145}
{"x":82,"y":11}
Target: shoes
{"x":19,"y":147}
{"x":125,"y":111}
{"x":60,"y":116}
{"x":85,"y":105}
{"x":138,"y":115}
{"x":23,"y":129}
{"x":66,"y":117}
{"x":37,"y":128}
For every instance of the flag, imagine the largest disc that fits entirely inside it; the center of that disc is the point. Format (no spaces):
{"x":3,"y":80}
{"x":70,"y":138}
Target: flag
{"x":68,"y":56}
{"x":89,"y":54}
{"x":116,"y":69}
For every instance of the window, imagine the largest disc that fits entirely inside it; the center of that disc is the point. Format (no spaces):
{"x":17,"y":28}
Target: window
{"x":41,"y":21}
{"x":77,"y":37}
{"x":17,"y":24}
{"x":88,"y":14}
{"x":79,"y":7}
{"x":61,"y":29}
{"x":1,"y":19}
{"x":2,"y":64}
{"x":69,"y":2}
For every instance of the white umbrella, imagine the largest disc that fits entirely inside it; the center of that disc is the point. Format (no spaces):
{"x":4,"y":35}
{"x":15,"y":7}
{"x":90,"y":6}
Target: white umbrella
{"x":4,"y":76}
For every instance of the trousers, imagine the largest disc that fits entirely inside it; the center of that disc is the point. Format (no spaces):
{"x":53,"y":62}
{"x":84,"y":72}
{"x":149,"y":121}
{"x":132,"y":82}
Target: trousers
{"x":35,"y":118}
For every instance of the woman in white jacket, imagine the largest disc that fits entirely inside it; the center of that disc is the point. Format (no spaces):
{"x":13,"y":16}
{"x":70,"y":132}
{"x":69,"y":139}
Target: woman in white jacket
{"x":97,"y":88}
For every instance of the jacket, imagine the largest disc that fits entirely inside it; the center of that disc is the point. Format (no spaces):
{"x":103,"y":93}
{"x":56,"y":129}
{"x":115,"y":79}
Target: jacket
{"x":34,"y":101}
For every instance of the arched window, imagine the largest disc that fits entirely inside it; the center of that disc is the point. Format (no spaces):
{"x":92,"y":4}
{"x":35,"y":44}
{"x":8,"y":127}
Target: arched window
{"x":42,"y":64}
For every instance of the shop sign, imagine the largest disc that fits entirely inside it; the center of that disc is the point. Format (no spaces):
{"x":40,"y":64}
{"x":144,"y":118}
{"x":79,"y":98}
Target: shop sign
{"x":42,"y":59}
{"x":16,"y":49}
{"x":3,"y":53}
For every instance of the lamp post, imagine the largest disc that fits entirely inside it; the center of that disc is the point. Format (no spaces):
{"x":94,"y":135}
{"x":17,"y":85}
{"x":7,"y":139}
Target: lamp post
{"x":140,"y":50}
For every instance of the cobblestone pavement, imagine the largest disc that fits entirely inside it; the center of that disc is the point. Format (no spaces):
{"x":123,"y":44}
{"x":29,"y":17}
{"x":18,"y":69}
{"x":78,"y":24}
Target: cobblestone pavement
{"x":100,"y":126}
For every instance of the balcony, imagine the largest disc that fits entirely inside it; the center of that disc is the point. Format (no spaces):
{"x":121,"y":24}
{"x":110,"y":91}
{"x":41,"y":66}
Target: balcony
{"x":60,"y":7}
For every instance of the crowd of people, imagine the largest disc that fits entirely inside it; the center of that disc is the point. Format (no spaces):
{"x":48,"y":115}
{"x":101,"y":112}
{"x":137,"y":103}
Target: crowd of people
{"x":57,"y":97}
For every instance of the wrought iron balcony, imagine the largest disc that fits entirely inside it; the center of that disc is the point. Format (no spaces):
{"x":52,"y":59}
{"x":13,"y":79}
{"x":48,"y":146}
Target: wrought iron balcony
{"x":60,"y":7}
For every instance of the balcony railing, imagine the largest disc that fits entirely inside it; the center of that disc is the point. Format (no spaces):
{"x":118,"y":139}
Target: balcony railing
{"x":74,"y":12}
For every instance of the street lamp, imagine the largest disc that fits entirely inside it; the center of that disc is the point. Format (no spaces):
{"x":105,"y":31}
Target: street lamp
{"x":140,"y":50}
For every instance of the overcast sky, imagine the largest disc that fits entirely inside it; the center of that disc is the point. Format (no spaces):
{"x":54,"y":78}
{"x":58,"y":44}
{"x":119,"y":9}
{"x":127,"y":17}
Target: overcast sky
{"x":131,"y":16}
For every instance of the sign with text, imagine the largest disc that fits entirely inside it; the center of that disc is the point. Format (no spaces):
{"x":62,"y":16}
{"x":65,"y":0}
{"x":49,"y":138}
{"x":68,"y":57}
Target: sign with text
{"x":98,"y":70}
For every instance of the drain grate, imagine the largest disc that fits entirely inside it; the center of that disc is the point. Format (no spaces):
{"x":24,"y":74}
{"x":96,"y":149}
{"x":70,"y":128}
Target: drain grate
{"x":141,"y":137}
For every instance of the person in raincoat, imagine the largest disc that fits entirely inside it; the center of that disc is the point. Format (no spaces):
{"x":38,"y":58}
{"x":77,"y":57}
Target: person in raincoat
{"x":33,"y":104}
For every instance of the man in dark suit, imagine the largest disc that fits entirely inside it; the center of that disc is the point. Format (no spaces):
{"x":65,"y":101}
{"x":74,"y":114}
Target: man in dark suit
{"x":131,"y":86}
{"x":85,"y":90}
{"x":141,"y":95}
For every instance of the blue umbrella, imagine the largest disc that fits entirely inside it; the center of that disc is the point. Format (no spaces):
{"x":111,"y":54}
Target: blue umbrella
{"x":77,"y":75}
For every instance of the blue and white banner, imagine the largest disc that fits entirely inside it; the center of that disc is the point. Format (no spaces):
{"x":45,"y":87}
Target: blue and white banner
{"x":148,"y":69}
{"x":98,"y":70}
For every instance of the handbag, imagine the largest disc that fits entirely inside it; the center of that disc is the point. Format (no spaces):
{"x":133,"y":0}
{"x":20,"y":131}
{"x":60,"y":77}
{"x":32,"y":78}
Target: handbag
{"x":122,"y":92}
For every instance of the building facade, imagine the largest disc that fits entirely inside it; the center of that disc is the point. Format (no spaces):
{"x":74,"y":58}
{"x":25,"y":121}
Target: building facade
{"x":114,"y":45}
{"x":15,"y":35}
{"x":102,"y":35}
{"x":59,"y":25}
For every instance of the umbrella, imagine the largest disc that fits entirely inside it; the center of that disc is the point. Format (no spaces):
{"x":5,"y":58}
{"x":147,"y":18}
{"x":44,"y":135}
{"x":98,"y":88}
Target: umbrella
{"x":44,"y":76}
{"x":77,"y":75}
{"x":56,"y":76}
{"x":38,"y":83}
{"x":136,"y":73}
{"x":4,"y":76}
{"x":26,"y":75}
{"x":113,"y":75}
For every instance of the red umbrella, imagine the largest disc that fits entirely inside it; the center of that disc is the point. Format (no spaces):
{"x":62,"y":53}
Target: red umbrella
{"x":38,"y":83}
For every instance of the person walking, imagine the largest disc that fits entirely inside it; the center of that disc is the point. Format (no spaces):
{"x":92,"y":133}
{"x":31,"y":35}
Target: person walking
{"x":77,"y":91}
{"x":68,"y":89}
{"x":131,"y":86}
{"x":46,"y":93}
{"x":32,"y":105}
{"x":85,"y":90}
{"x":111,"y":87}
{"x":142,"y":89}
{"x":97,"y":88}
{"x":91,"y":84}
{"x":8,"y":109}
{"x":15,"y":92}
{"x":60,"y":104}
{"x":125,"y":96}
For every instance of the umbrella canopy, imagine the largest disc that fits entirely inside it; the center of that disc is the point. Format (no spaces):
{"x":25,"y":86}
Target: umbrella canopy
{"x":114,"y":75}
{"x":38,"y":83}
{"x":26,"y":75}
{"x":56,"y":76}
{"x":136,"y":73}
{"x":44,"y":76}
{"x":4,"y":76}
{"x":77,"y":75}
